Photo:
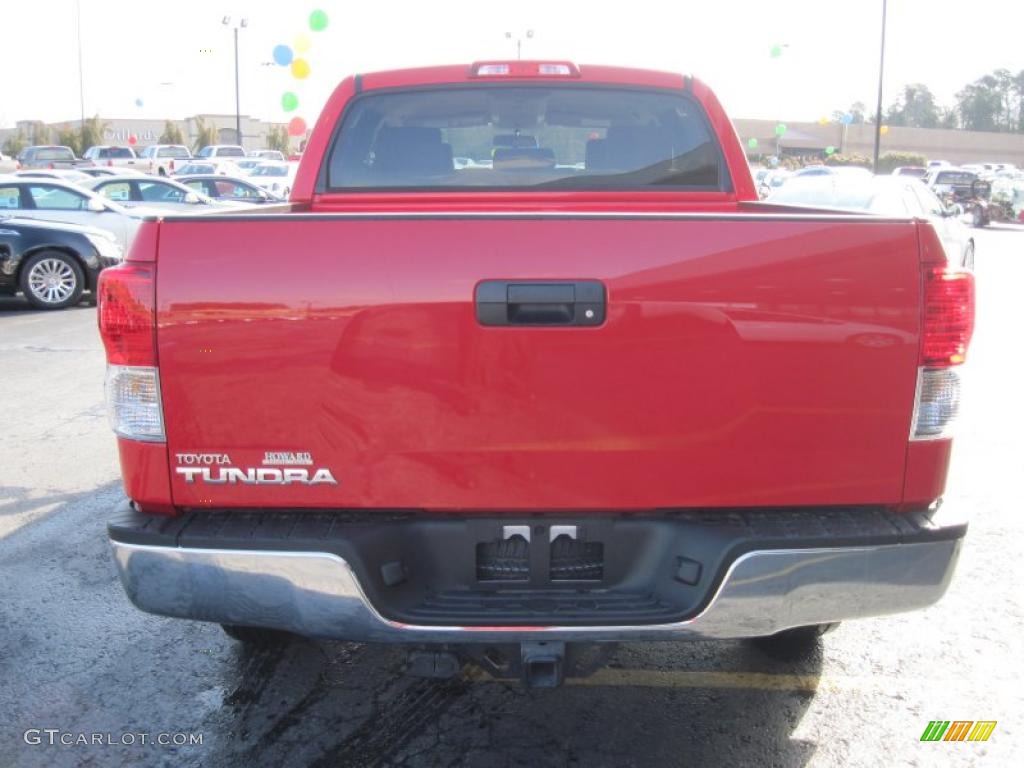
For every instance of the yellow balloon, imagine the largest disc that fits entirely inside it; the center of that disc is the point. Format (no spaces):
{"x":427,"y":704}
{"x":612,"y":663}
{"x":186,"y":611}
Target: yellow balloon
{"x":301,"y":44}
{"x":822,"y":121}
{"x":300,"y":69}
{"x":883,"y":130}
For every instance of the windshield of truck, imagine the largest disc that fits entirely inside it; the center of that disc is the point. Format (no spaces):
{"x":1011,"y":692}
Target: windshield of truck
{"x":119,"y":153}
{"x":539,"y":137}
{"x":51,"y":154}
{"x":177,"y":153}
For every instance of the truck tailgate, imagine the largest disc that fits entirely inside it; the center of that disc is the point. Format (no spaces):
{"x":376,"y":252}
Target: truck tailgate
{"x":744,"y":360}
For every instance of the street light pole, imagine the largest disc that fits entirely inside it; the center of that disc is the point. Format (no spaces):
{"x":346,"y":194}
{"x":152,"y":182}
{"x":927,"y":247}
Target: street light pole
{"x":238,"y":104}
{"x":881,"y":71}
{"x":81,"y":78}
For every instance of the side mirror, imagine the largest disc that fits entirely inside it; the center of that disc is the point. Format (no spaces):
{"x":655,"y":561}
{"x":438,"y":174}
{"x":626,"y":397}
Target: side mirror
{"x":96,"y":205}
{"x":192,"y":198}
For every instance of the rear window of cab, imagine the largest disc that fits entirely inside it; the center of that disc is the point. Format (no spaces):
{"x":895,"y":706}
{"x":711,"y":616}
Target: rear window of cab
{"x":540,"y":137}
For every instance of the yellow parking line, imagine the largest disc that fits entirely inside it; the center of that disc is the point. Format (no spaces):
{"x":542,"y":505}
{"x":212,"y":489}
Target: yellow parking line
{"x":652,"y":678}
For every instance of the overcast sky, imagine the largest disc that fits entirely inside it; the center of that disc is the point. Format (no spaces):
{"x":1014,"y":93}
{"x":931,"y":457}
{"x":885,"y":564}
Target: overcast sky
{"x":176,"y":57}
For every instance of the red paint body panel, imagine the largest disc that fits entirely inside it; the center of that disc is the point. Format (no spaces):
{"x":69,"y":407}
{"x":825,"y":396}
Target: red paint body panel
{"x":927,"y":465}
{"x":145,"y":474}
{"x":745,"y":361}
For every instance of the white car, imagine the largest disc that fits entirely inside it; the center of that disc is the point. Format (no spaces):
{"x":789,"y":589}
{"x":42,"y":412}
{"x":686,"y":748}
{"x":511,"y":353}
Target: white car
{"x":249,"y":163}
{"x":64,"y":174}
{"x":134,"y":192}
{"x":220,"y":151}
{"x":899,"y":196}
{"x":53,"y":200}
{"x":7,"y":164}
{"x":276,"y":178}
{"x":113,"y":157}
{"x":268,"y":154}
{"x":218,"y":167}
{"x":162,"y":159}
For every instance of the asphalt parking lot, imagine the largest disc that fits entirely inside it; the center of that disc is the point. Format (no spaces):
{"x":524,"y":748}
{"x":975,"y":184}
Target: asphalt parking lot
{"x":76,"y":656}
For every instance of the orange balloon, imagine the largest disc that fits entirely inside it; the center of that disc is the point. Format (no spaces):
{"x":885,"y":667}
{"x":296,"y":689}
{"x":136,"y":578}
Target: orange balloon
{"x":300,"y":69}
{"x":297,"y":127}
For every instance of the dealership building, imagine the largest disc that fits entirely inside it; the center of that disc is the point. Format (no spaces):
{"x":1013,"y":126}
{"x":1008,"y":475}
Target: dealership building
{"x":120,"y":131}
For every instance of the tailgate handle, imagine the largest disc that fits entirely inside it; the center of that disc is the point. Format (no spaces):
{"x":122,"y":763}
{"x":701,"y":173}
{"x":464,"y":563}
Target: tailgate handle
{"x":508,"y":302}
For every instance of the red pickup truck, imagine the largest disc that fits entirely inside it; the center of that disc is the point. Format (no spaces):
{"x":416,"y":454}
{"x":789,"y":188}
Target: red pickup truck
{"x":524,"y":365}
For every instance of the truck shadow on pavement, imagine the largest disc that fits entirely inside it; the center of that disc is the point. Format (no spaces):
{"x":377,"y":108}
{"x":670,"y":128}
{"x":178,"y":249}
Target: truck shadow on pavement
{"x":343,"y":704}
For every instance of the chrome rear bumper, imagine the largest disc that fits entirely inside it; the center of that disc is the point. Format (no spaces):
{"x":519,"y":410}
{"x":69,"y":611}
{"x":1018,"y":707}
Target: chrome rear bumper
{"x":317,"y":594}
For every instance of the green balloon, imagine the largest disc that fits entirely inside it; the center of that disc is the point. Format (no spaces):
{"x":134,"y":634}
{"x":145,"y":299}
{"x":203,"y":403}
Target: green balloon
{"x":780,"y":130}
{"x":289,"y":101}
{"x":318,"y":21}
{"x":752,"y":143}
{"x":776,"y":51}
{"x":830,"y":150}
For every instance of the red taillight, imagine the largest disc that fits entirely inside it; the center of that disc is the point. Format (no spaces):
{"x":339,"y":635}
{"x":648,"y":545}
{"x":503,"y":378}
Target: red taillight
{"x":948,"y":316}
{"x":127,"y":313}
{"x":171,"y":165}
{"x":110,"y":163}
{"x":51,"y":166}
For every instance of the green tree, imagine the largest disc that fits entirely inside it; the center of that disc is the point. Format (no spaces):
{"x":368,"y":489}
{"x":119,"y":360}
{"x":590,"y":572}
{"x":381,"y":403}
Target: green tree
{"x":90,"y":133}
{"x":915,"y":107}
{"x":14,"y":144}
{"x":277,"y":138}
{"x":172,"y":134}
{"x":68,"y":137}
{"x":979,"y":105}
{"x":205,"y":135}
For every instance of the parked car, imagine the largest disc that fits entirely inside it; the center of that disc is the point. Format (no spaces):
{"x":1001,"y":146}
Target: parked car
{"x":268,"y":154}
{"x":850,"y":171}
{"x":113,"y":157}
{"x":913,"y":171}
{"x":153,"y":193}
{"x":249,"y":163}
{"x":229,"y":189}
{"x":161,"y":159}
{"x":938,"y":164}
{"x":217,"y":167}
{"x":276,"y":178}
{"x":7,"y":164}
{"x":220,"y":151}
{"x":53,"y":200}
{"x":496,"y":412}
{"x":962,"y":187}
{"x":888,"y":196}
{"x":53,"y":264}
{"x":102,"y":171}
{"x":49,"y":156}
{"x":64,"y":174}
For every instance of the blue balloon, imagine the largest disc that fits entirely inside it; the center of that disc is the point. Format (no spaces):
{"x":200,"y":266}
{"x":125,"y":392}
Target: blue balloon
{"x":138,"y":102}
{"x":846,"y":119}
{"x":282,"y":55}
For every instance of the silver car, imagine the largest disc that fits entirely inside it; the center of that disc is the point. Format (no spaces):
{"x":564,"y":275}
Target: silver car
{"x":54,"y":200}
{"x":152,"y":192}
{"x":900,"y":196}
